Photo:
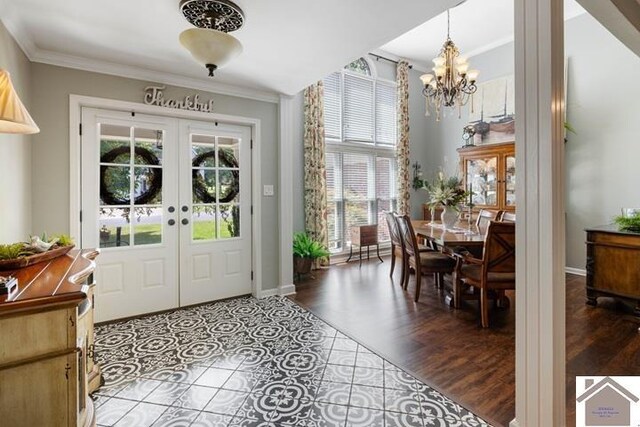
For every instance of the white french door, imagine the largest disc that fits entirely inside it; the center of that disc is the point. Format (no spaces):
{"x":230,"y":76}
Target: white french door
{"x":168,"y":202}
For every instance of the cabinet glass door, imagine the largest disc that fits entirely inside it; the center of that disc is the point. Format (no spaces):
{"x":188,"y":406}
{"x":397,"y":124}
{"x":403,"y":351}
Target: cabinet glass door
{"x":482,"y":175}
{"x":510,"y":181}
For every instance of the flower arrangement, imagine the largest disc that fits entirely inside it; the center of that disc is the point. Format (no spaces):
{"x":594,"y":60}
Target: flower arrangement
{"x":446,"y":191}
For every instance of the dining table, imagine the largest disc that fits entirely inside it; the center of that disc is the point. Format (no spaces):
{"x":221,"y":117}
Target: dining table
{"x":463,"y":236}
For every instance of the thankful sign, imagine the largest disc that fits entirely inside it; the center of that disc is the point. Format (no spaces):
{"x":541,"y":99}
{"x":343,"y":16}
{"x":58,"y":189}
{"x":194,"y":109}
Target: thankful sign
{"x":154,"y":95}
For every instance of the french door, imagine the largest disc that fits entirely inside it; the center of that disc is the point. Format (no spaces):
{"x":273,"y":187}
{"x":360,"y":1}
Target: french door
{"x":168,"y":202}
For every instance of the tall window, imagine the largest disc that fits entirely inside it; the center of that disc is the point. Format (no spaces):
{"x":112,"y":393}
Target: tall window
{"x":360,"y":132}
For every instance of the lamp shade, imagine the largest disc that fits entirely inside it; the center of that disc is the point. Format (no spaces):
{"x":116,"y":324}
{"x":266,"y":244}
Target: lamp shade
{"x":211,"y":48}
{"x":14,"y":117}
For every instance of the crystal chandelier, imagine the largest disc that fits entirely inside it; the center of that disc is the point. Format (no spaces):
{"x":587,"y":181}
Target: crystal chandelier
{"x":452,"y":83}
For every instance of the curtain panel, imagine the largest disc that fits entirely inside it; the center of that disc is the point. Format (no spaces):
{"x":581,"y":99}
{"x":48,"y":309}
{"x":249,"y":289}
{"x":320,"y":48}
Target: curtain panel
{"x":402,"y":144}
{"x":315,"y":178}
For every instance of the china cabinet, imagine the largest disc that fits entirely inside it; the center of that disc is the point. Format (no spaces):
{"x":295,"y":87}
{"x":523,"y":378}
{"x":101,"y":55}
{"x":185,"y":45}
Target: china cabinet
{"x":490,"y":172}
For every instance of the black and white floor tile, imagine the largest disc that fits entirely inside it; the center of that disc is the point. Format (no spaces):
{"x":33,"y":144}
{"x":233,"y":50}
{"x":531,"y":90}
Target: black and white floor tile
{"x":249,"y":362}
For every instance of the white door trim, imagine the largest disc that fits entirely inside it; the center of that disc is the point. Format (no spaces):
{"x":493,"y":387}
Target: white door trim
{"x":77,"y":102}
{"x":287,"y":120}
{"x":540,"y":230}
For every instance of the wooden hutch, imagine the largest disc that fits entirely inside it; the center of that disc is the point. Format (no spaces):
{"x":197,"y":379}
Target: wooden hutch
{"x":46,"y":344}
{"x":491,"y":171}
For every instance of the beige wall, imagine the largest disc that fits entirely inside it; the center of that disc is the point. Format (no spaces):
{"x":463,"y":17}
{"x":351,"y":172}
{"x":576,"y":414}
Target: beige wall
{"x":15,"y":151}
{"x":51,"y":156}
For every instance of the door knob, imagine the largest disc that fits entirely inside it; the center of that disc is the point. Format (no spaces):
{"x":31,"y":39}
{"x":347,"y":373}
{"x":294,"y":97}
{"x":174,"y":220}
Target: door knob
{"x":171,"y":222}
{"x":185,"y":208}
{"x":185,"y":221}
{"x":171,"y":209}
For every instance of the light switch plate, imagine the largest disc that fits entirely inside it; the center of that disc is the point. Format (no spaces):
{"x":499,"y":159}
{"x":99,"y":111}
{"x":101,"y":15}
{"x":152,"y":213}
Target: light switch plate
{"x":267,"y":190}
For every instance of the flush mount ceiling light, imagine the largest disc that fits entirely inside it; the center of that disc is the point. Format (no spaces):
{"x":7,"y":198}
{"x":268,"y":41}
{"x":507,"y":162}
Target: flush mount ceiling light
{"x":209,"y":43}
{"x":453,"y":83}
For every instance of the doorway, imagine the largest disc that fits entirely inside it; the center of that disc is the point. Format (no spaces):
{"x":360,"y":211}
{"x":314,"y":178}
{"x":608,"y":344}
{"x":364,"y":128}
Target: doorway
{"x":168,"y":202}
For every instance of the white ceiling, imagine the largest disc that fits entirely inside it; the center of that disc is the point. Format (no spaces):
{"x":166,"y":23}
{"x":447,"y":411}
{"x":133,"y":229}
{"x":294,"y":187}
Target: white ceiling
{"x":287,"y":43}
{"x":476,"y":26}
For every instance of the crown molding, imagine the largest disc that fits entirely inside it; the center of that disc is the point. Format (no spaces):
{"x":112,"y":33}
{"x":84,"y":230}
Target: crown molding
{"x":35,"y":54}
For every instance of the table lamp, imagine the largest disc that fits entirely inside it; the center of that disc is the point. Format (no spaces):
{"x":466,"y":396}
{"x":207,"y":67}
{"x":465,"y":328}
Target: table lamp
{"x":14,"y":117}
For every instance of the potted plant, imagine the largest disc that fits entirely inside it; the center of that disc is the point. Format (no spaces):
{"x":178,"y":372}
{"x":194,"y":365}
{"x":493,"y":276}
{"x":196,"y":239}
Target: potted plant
{"x":305,"y":251}
{"x":448,"y":192}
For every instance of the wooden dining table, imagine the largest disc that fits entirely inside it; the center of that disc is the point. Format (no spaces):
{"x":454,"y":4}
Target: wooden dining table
{"x":464,"y":236}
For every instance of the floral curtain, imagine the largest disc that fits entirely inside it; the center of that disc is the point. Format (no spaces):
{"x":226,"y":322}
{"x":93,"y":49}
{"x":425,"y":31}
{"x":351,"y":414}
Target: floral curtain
{"x":315,"y":178}
{"x":402,"y":145}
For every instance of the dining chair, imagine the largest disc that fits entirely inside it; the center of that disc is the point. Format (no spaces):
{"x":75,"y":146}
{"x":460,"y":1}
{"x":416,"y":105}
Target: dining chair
{"x":485,"y":216}
{"x":397,"y":245}
{"x":508,"y":217}
{"x":423,"y":262}
{"x":496,"y":271}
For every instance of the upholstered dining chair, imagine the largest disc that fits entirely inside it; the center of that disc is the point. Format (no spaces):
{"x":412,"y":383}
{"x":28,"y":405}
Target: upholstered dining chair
{"x":508,"y":217}
{"x":496,"y":270}
{"x":423,"y":262}
{"x":397,"y":245}
{"x":485,"y":216}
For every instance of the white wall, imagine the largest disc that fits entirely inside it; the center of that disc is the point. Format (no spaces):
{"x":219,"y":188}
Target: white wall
{"x":15,"y":150}
{"x":603,"y":103}
{"x":51,"y":156}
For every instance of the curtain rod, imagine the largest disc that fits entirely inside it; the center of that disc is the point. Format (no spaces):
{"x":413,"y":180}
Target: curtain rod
{"x":386,"y":59}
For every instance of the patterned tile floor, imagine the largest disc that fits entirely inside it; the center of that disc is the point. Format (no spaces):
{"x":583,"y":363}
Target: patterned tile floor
{"x":249,"y":362}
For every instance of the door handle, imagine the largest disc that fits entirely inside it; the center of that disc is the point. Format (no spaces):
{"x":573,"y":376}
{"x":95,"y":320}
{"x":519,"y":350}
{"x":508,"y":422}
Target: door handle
{"x":185,"y":221}
{"x":171,"y":222}
{"x":171,"y":209}
{"x":185,"y":208}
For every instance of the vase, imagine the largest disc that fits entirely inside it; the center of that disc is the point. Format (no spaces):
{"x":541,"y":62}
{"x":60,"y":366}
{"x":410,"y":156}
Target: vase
{"x":449,"y":217}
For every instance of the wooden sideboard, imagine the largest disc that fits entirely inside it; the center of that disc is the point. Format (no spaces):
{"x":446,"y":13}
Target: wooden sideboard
{"x":613,"y":265}
{"x":46,"y":344}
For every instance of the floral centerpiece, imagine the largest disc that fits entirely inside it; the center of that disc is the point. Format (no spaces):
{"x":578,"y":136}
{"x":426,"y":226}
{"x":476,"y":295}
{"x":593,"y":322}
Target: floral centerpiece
{"x":448,"y":192}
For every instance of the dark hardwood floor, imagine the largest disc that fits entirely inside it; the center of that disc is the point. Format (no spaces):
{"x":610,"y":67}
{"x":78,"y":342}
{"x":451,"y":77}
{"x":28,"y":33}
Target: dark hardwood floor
{"x":449,"y":350}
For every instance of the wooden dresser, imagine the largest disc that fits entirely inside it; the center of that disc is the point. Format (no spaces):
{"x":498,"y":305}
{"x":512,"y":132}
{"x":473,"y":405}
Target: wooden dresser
{"x":613,"y":265}
{"x":46,"y":341}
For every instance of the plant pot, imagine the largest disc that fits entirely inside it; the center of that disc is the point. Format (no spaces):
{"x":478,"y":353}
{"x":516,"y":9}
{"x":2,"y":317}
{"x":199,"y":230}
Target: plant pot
{"x":449,"y":217}
{"x":302,"y":265}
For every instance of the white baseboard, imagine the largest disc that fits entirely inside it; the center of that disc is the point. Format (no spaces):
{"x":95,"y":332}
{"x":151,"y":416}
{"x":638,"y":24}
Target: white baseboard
{"x":576,"y":271}
{"x":514,"y":423}
{"x":288,"y":290}
{"x":269,"y":293}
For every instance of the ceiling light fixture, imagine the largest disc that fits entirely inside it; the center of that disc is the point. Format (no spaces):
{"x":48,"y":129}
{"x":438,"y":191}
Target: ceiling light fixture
{"x":209,"y":43}
{"x":452,"y":83}
{"x":14,"y":117}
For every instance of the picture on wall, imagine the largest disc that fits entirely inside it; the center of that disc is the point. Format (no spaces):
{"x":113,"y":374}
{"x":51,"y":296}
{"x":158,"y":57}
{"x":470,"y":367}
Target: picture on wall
{"x":493,"y":111}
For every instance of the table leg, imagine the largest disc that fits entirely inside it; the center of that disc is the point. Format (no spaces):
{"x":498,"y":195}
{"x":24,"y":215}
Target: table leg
{"x":360,"y":257}
{"x":350,"y":252}
{"x":368,"y":252}
{"x":378,"y":252}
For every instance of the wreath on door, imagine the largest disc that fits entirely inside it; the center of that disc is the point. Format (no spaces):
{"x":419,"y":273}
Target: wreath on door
{"x":226,"y":159}
{"x":107,"y":193}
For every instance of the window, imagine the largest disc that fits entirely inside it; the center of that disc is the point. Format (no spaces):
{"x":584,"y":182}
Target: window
{"x":360,"y":131}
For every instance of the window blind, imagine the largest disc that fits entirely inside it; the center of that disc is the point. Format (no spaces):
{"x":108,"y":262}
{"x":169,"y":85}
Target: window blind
{"x":332,"y":107}
{"x":386,"y":121}
{"x":358,"y":109}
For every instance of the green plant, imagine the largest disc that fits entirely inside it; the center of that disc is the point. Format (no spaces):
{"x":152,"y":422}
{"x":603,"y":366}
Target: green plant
{"x":305,"y":247}
{"x":628,"y":223}
{"x":64,"y":240}
{"x":13,"y":251}
{"x":447,"y":191}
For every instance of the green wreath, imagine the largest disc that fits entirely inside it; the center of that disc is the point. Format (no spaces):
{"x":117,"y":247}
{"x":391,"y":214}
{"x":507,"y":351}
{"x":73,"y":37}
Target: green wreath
{"x":225,"y":159}
{"x":155,"y":187}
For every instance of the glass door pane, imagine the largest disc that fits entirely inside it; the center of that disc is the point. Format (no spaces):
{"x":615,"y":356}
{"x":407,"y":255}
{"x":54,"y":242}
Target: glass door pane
{"x":510,"y":181}
{"x":482,"y":175}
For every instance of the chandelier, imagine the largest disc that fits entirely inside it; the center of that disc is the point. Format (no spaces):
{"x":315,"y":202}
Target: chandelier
{"x":209,"y":42}
{"x":452,"y":84}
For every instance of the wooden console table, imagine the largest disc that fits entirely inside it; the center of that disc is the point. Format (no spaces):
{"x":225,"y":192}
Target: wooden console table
{"x":46,"y":344}
{"x":364,"y":235}
{"x":613,"y":265}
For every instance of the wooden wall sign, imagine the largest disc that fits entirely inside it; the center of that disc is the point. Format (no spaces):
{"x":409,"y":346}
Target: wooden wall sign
{"x":154,"y":95}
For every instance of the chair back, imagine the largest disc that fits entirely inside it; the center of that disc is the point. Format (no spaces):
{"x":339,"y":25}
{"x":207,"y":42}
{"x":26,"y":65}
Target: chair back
{"x":408,"y":235}
{"x":508,"y":217}
{"x":394,"y":231}
{"x":499,"y":254}
{"x":485,"y":216}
